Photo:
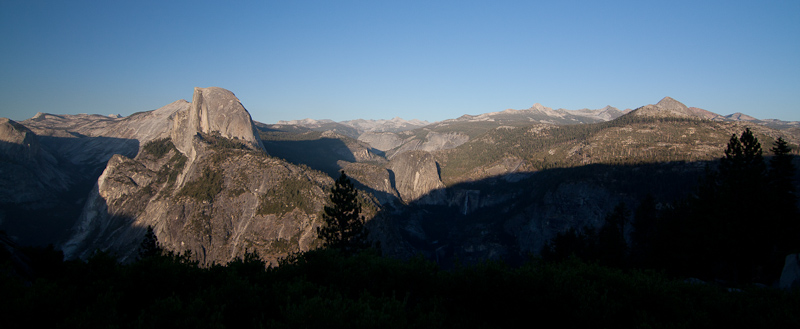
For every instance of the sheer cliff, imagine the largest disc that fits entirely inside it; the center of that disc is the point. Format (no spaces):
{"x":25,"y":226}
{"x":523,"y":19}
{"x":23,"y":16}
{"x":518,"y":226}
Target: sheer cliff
{"x":207,"y":187}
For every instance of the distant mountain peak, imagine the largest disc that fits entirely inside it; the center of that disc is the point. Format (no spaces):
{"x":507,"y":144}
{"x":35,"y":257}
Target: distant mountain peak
{"x":666,"y":107}
{"x":670,"y":103}
{"x":540,"y":107}
{"x":739,"y":116}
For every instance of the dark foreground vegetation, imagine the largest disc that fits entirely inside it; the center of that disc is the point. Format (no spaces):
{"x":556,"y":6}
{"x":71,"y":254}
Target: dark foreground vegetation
{"x":736,"y":228}
{"x":586,"y":278}
{"x":332,"y":289}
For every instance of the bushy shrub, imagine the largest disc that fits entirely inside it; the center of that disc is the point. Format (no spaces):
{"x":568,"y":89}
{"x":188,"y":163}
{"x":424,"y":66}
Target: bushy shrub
{"x":205,"y":187}
{"x":158,"y":147}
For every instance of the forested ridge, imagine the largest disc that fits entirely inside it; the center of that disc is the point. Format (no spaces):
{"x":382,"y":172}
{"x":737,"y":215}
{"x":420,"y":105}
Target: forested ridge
{"x":627,"y":140}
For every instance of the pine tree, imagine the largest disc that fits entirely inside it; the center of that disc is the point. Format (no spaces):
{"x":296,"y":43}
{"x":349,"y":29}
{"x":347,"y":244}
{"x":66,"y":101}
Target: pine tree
{"x":781,"y":173}
{"x":743,"y":165}
{"x":724,"y":232}
{"x":150,"y":246}
{"x":645,"y":230}
{"x":783,"y":200}
{"x":344,"y":226}
{"x":745,"y":245}
{"x":611,"y":238}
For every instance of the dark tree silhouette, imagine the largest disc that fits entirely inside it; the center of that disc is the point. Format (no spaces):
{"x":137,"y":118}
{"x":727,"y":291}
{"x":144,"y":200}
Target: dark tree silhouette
{"x":743,"y":165}
{"x":150,"y":246}
{"x":782,"y":206}
{"x":645,"y":229}
{"x":571,"y":243}
{"x":611,"y":238}
{"x":781,"y":174}
{"x":344,"y":226}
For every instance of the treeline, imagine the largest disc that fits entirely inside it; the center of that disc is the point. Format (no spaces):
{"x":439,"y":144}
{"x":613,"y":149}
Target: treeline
{"x":332,"y":289}
{"x":736,"y":228}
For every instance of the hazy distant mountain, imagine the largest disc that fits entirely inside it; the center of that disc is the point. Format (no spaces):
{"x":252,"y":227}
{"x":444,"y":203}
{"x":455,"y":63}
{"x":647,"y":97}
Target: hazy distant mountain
{"x":353,"y":128}
{"x":323,"y":125}
{"x":542,"y":114}
{"x":394,"y":125}
{"x":772,"y":123}
{"x":738,"y":116}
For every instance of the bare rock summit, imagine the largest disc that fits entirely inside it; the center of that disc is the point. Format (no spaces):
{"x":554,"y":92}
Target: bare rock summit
{"x":667,"y":107}
{"x":214,"y":110}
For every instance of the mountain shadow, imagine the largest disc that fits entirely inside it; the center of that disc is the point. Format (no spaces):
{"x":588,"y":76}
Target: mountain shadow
{"x":321,"y":154}
{"x":510,"y":217}
{"x":44,"y":192}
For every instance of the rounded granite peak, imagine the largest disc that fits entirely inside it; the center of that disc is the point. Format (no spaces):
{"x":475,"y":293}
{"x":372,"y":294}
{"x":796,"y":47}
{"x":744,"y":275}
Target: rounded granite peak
{"x":214,"y":110}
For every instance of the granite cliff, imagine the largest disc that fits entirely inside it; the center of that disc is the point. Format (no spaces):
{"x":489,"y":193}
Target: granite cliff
{"x":206,"y":187}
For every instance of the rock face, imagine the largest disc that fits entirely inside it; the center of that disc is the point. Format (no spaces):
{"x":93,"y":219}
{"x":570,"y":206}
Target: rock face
{"x":434,"y":141}
{"x":415,"y":174}
{"x":214,"y":110}
{"x":17,"y":141}
{"x":378,"y":181}
{"x":203,"y":193}
{"x":397,"y":143}
{"x":89,"y":141}
{"x":31,"y":173}
{"x":231,"y":201}
{"x":383,"y":141}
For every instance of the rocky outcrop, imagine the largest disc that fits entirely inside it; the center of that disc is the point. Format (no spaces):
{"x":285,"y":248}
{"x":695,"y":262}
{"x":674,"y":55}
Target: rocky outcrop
{"x":227,"y":202}
{"x":214,"y":110}
{"x":31,"y":174}
{"x":383,"y":141}
{"x":17,"y":141}
{"x":397,"y":143}
{"x":378,"y":181}
{"x":416,"y":174}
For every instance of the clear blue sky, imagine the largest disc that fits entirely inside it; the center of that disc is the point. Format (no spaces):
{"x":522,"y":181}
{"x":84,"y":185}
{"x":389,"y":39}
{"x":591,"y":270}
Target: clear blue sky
{"x":430,"y":60}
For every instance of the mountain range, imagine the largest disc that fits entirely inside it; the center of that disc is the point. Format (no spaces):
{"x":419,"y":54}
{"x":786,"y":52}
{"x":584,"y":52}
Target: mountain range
{"x":214,"y":183}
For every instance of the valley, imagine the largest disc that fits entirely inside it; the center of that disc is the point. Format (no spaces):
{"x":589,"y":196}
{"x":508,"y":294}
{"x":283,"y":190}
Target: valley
{"x":214,"y":183}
